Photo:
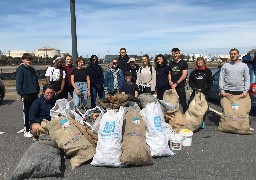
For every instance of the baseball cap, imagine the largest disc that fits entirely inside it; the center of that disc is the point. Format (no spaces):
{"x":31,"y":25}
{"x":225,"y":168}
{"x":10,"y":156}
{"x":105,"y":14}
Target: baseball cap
{"x":131,"y":59}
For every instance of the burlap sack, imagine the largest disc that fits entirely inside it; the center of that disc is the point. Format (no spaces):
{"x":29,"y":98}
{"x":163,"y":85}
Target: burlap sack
{"x":70,"y":139}
{"x":195,"y":113}
{"x":89,"y":134}
{"x":135,"y":151}
{"x":235,"y":116}
{"x":146,"y":98}
{"x":176,"y":120}
{"x":171,"y":97}
{"x":114,"y":102}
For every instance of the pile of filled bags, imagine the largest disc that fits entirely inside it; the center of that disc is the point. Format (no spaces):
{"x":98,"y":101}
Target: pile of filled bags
{"x":122,"y":131}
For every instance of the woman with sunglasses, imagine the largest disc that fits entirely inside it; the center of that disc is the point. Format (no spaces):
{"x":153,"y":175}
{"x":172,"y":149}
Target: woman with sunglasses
{"x":114,"y":79}
{"x":95,"y":72}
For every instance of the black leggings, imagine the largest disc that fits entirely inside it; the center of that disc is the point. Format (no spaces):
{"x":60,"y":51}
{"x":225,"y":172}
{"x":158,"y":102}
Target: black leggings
{"x":160,"y":93}
{"x":182,"y":97}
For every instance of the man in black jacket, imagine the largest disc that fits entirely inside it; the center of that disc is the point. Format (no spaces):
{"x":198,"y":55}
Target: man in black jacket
{"x":123,"y":61}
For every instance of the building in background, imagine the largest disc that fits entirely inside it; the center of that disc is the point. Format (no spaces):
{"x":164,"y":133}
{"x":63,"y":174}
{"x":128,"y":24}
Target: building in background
{"x":47,"y":52}
{"x":16,"y":53}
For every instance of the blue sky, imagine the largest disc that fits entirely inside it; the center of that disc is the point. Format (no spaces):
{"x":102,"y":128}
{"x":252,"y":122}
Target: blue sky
{"x":141,"y":26}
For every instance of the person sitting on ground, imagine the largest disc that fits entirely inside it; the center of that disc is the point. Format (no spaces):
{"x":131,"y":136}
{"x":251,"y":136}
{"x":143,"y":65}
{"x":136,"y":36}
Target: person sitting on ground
{"x":114,"y":79}
{"x":129,"y":87}
{"x":40,"y":109}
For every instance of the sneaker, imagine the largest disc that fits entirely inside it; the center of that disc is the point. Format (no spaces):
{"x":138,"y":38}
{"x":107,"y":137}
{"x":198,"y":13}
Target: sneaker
{"x":28,"y":134}
{"x":202,"y":125}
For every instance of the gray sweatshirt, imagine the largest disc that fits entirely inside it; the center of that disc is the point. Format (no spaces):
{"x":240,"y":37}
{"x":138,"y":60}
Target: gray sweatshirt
{"x":234,"y":77}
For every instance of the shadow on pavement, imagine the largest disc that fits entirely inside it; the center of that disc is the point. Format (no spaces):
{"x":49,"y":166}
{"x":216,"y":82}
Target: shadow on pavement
{"x":7,"y":102}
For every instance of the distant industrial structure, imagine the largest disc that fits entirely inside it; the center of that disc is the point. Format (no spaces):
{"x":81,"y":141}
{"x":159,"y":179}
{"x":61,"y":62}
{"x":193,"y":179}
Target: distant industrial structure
{"x":41,"y":52}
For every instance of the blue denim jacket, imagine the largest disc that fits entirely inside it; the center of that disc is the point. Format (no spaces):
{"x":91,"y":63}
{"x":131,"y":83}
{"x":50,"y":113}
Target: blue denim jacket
{"x":109,"y":80}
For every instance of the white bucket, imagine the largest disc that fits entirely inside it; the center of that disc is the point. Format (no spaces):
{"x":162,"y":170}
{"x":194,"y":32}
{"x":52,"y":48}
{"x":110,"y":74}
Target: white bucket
{"x":176,"y":142}
{"x":187,"y":137}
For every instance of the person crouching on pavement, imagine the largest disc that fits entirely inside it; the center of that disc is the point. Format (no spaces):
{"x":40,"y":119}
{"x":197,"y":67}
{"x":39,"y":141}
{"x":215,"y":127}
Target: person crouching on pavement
{"x":40,"y":109}
{"x":114,"y":79}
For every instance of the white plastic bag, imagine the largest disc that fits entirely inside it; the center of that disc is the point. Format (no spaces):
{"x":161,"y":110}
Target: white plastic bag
{"x":155,"y":135}
{"x":60,"y":108}
{"x":108,"y":150}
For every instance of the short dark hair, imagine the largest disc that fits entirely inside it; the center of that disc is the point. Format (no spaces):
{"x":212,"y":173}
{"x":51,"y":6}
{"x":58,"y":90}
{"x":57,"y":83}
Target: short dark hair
{"x":79,"y":59}
{"x":47,"y":86}
{"x":27,"y":56}
{"x":93,"y":57}
{"x":67,"y":55}
{"x":175,"y":49}
{"x":234,"y":49}
{"x":122,"y":49}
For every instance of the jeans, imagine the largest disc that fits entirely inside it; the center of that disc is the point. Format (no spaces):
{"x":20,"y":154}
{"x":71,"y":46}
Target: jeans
{"x":80,"y":101}
{"x":94,"y":92}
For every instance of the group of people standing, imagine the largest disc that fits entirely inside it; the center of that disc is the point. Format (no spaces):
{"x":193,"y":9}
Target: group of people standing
{"x":123,"y":76}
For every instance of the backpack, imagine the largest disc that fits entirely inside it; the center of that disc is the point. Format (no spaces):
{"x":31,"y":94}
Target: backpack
{"x":150,"y":67}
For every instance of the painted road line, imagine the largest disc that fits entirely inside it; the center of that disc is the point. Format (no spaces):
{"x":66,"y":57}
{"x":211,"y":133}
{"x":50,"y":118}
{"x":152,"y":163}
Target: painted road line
{"x":213,"y":110}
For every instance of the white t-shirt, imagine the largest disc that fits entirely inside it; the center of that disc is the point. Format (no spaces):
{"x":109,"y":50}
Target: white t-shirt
{"x":54,"y":74}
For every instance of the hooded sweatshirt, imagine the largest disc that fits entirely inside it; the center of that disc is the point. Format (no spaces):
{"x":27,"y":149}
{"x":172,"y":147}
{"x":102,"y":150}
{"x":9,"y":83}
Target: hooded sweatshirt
{"x":40,"y":109}
{"x":26,"y":80}
{"x":95,"y":72}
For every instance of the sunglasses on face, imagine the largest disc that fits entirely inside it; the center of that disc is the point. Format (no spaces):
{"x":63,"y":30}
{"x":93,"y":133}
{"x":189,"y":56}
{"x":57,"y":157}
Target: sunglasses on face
{"x":115,"y":63}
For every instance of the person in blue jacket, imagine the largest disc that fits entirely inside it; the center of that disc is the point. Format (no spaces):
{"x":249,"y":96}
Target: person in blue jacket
{"x":40,"y":109}
{"x":114,"y":79}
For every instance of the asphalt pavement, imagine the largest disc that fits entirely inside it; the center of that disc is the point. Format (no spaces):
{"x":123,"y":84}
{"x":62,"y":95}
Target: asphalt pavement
{"x":213,"y":154}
